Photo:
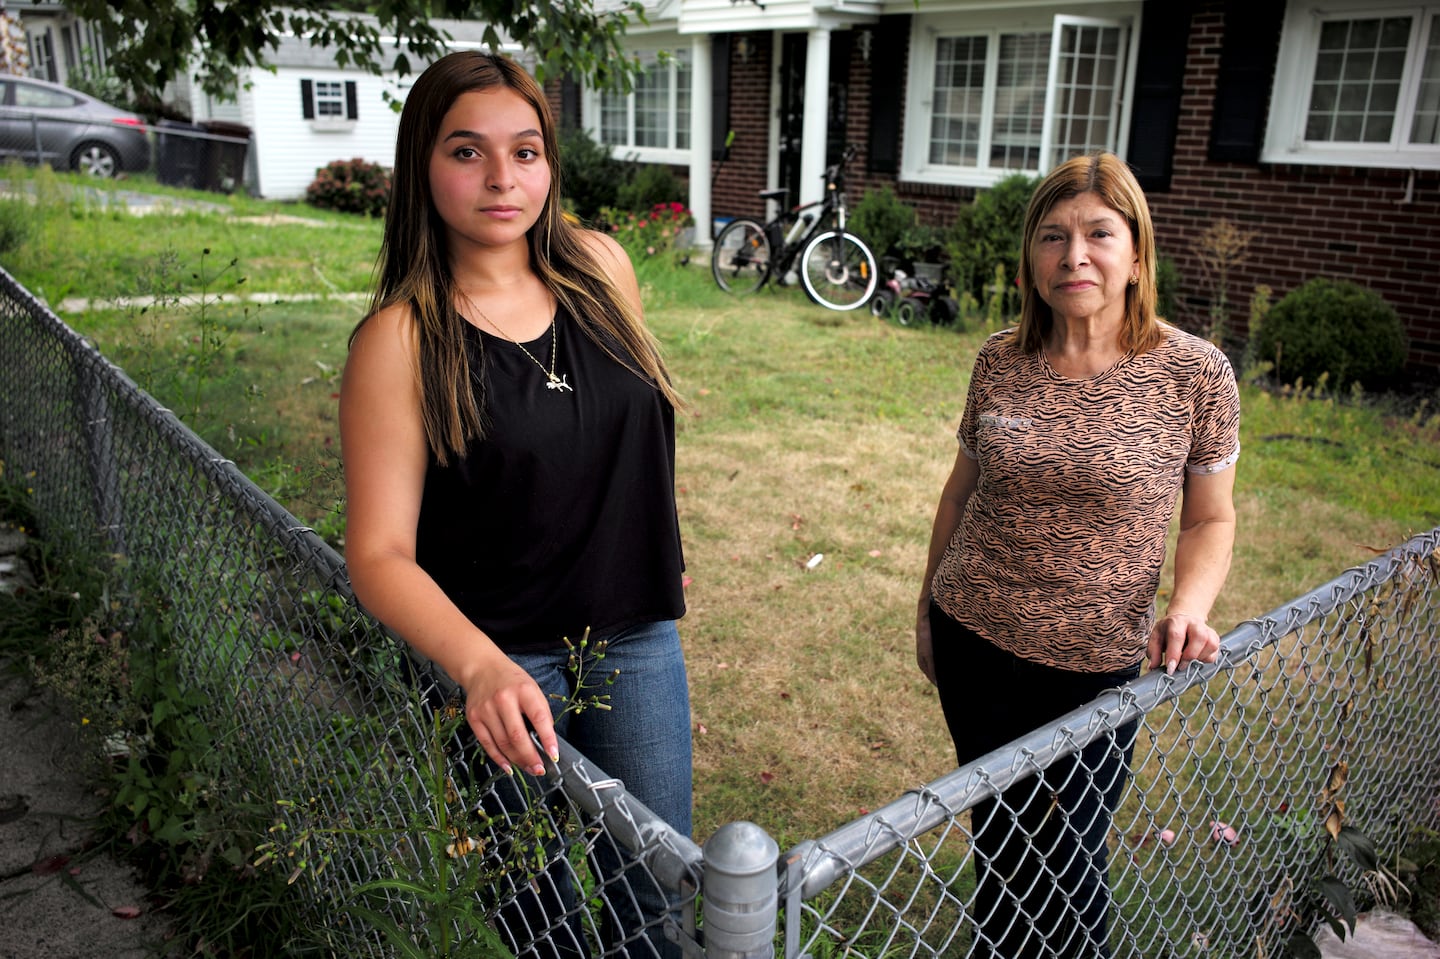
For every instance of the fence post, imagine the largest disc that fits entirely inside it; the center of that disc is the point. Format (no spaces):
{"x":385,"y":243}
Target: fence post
{"x":741,"y":892}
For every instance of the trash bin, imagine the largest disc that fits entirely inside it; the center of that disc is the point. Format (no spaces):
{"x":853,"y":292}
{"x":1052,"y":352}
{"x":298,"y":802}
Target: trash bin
{"x":178,"y":153}
{"x":224,"y":160}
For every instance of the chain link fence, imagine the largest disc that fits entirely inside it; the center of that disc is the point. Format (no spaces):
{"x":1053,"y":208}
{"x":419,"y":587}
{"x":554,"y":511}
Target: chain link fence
{"x":213,"y":155}
{"x":1249,"y":778}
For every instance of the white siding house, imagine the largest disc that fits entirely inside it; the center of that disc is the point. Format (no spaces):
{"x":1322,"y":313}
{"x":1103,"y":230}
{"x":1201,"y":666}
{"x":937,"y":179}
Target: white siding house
{"x":309,"y":112}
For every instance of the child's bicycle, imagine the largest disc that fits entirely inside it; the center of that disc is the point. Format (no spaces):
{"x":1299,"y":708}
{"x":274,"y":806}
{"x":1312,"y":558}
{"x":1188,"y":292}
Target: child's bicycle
{"x":807,"y":243}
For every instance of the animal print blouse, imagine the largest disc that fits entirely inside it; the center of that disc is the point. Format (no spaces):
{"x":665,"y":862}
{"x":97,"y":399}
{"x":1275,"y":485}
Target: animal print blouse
{"x":1057,"y":557}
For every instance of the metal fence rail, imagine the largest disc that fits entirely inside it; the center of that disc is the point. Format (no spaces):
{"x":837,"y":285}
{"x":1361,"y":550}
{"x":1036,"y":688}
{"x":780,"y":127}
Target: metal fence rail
{"x":348,"y":747}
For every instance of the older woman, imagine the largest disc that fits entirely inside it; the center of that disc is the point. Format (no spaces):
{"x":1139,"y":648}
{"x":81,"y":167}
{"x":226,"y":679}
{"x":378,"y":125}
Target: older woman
{"x":1082,"y":427}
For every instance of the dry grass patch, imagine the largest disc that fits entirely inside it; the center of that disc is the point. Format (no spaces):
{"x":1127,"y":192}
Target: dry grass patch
{"x":804,"y":679}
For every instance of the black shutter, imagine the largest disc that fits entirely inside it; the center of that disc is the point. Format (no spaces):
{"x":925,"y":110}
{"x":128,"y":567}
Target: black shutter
{"x":719,"y":94}
{"x":887,"y":92}
{"x":1159,"y":82}
{"x":352,"y":108}
{"x":1247,"y":70}
{"x":569,"y":103}
{"x":307,"y":99}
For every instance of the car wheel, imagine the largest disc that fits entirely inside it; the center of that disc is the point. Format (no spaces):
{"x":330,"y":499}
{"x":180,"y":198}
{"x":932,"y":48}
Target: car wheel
{"x":95,"y":159}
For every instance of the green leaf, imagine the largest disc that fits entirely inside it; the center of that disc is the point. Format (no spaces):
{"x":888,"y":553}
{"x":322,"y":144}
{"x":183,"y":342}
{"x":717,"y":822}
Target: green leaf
{"x":1359,"y":847}
{"x":1301,"y":946}
{"x":395,"y":937}
{"x":1338,"y":897}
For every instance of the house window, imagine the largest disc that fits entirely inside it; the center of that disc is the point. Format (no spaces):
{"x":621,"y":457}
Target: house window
{"x":1357,"y":84}
{"x":329,"y":104}
{"x":1000,"y":98}
{"x":329,"y":99}
{"x":653,"y":120}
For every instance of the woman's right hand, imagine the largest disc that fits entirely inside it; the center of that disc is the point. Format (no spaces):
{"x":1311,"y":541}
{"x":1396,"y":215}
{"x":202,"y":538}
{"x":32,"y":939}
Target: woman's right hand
{"x":924,"y":656}
{"x":498,"y":703}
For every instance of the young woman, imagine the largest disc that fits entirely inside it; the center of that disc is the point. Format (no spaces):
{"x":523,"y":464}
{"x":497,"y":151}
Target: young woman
{"x":508,"y":433}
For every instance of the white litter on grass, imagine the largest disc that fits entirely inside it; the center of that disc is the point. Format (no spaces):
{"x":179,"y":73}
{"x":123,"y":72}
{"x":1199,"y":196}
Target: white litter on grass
{"x":815,"y":561}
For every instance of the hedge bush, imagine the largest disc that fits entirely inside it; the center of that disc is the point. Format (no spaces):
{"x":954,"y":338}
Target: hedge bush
{"x":351,"y":186}
{"x":1335,"y":327}
{"x":882,"y":220}
{"x":592,"y":176}
{"x":989,"y":233}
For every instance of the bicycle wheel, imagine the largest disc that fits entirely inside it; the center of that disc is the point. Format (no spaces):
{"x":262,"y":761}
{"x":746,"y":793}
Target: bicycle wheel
{"x":740,"y":260}
{"x":838,"y":270}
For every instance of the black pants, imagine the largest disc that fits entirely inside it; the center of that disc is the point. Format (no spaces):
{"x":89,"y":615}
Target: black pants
{"x":1041,"y":862}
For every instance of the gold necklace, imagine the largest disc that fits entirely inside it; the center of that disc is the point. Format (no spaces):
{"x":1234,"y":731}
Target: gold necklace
{"x":553,"y":382}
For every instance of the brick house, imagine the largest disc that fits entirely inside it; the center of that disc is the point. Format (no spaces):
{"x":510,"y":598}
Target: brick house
{"x":1315,"y":128}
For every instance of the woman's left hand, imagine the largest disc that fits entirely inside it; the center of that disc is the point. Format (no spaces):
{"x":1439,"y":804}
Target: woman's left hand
{"x":1179,"y":638}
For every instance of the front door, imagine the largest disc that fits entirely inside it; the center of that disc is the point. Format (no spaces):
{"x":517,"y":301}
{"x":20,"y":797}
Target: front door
{"x":793,"y":49}
{"x":792,"y":112}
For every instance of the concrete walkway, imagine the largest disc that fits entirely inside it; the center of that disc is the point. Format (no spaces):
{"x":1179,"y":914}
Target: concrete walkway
{"x":59,"y":898}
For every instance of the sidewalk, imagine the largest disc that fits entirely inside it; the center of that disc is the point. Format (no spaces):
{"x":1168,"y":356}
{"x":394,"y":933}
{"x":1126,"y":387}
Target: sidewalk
{"x":57,"y":899}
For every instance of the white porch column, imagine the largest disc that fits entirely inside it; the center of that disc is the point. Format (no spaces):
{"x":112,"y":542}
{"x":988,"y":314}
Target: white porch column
{"x":817,"y":110}
{"x":701,"y":85}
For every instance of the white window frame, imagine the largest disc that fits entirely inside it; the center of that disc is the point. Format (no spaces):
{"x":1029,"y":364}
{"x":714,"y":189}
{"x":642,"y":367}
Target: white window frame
{"x":925,"y":34}
{"x":1294,"y":74}
{"x":672,"y":153}
{"x":334,"y":100}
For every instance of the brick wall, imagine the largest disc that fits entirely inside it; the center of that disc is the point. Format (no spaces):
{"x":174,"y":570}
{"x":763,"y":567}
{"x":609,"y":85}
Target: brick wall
{"x":744,"y":172}
{"x":1380,"y":228}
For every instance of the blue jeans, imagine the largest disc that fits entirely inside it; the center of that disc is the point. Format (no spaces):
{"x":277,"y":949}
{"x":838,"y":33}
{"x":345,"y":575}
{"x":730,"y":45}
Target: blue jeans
{"x":1041,"y":862}
{"x":643,"y":740}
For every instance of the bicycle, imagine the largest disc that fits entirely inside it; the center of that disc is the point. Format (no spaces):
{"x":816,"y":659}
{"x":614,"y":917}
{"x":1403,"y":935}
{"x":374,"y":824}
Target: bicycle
{"x":835,"y":267}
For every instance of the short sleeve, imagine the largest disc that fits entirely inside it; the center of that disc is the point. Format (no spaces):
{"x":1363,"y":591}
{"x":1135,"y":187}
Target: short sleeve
{"x":1215,"y":437}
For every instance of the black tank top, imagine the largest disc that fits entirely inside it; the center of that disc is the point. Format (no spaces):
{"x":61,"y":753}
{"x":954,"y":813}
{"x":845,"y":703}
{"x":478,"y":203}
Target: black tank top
{"x":563,"y":516}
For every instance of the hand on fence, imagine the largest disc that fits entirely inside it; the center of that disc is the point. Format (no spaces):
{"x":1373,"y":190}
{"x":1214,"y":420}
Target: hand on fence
{"x":1179,"y":638}
{"x":498,"y":703}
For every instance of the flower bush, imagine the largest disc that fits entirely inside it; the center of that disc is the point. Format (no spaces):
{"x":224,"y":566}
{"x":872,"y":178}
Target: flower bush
{"x":650,"y":233}
{"x":351,"y":186}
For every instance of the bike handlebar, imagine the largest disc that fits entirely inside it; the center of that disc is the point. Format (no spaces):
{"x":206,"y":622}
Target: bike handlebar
{"x":833,"y":173}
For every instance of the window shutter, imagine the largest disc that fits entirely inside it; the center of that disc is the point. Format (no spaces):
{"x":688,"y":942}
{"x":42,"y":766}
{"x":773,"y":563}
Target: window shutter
{"x":569,"y":103}
{"x":307,"y":99}
{"x":887,"y":92}
{"x":352,"y":106}
{"x":1247,"y":70}
{"x":1159,"y":83}
{"x":719,"y":94}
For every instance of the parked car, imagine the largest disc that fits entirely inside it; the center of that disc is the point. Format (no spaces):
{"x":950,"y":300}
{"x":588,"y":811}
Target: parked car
{"x":68,"y":129}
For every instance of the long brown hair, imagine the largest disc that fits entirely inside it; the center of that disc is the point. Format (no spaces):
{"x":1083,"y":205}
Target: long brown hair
{"x":414,"y":267}
{"x":1107,"y":176}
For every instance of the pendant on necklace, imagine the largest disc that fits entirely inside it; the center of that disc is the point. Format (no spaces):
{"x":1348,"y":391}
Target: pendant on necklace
{"x":558,"y":383}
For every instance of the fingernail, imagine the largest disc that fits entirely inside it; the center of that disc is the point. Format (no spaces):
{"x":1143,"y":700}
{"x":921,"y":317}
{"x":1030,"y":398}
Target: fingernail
{"x":1170,"y":667}
{"x":538,"y":769}
{"x":505,"y":768}
{"x":555,"y":755}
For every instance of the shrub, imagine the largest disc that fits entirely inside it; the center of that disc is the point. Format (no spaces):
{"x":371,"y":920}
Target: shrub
{"x":17,"y":218}
{"x":1167,"y":288}
{"x":882,"y":220}
{"x":648,"y":186}
{"x":987,"y":234}
{"x":1335,"y":327}
{"x":651,"y":233}
{"x":592,"y":177}
{"x":351,"y":186}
